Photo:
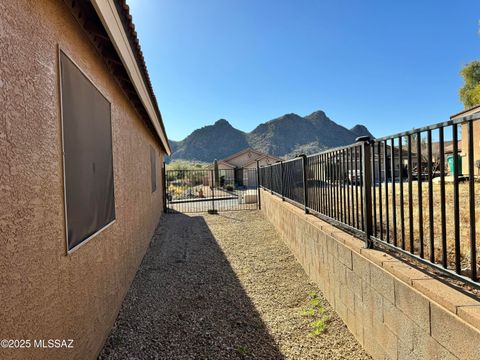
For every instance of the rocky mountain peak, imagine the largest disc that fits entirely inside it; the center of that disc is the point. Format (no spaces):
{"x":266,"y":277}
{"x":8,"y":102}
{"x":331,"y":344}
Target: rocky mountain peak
{"x":284,"y":136}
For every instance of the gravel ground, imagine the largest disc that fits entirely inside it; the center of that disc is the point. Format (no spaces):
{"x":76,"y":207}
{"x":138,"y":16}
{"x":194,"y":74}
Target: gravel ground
{"x":223,"y":287}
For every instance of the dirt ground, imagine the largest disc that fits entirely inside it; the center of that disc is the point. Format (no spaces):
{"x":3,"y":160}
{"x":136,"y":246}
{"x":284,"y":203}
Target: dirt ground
{"x":224,"y":287}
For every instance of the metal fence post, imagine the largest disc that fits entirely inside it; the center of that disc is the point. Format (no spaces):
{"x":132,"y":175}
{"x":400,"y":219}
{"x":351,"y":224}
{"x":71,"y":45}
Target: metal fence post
{"x":305,"y":190}
{"x":281,"y":181}
{"x":216,"y":174}
{"x":259,"y":204}
{"x":367,"y":188}
{"x":212,"y":210}
{"x":270,"y":181}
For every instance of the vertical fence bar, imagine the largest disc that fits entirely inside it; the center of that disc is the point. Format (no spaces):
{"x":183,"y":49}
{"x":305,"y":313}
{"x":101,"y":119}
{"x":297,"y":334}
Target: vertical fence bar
{"x":259,"y":201}
{"x":327,"y":185}
{"x":337,"y":190}
{"x":456,"y":198}
{"x":270,"y":183}
{"x":349,"y":210}
{"x":367,"y":191}
{"x":317,"y":183}
{"x":362,"y":186}
{"x":380,"y":204}
{"x":322,"y":184}
{"x":385,"y":175}
{"x":419,"y":192}
{"x":442,"y":197}
{"x":330,"y":183}
{"x":359,"y":170}
{"x":394,"y":199}
{"x":339,"y":185}
{"x":282,"y":181}
{"x":342,"y":179}
{"x":431,"y":236}
{"x":471,"y":193}
{"x":374,"y":190}
{"x":212,"y":210}
{"x":355,"y":214}
{"x":304,"y":178}
{"x":313,"y":196}
{"x":410,"y":194}
{"x":402,"y":208}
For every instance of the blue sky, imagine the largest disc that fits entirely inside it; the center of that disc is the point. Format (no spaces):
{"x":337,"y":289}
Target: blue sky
{"x":390,"y":65}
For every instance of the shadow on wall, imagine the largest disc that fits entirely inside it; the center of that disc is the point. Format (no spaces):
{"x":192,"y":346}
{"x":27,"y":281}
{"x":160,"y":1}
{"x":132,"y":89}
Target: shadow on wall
{"x":187,"y":302}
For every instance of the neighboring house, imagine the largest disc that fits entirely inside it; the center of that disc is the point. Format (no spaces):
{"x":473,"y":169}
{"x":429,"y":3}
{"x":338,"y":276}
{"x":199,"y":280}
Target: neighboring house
{"x":464,"y":136}
{"x":240,"y":168}
{"x":81,"y":189}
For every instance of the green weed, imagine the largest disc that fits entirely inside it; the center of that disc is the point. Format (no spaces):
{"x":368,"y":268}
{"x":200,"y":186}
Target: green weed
{"x":316,"y":312}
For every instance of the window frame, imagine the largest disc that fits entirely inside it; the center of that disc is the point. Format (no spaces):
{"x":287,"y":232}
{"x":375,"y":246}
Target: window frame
{"x":61,"y":50}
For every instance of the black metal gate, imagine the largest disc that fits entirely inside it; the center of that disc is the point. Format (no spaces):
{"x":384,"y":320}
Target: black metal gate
{"x":210,"y":190}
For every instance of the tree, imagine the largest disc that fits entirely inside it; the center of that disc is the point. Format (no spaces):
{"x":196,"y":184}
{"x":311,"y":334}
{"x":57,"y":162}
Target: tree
{"x":470,"y":92}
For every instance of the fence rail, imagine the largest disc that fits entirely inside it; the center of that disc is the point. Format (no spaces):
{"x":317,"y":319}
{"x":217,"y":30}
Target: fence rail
{"x":210,"y":190}
{"x":416,"y":192}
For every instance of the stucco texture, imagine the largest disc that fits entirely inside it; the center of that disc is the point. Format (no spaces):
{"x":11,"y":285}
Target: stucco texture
{"x":45,"y":293}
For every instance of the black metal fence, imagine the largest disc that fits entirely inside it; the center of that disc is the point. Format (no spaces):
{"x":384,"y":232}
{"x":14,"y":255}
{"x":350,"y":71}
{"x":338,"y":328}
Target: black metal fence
{"x":416,"y":192}
{"x":210,"y":190}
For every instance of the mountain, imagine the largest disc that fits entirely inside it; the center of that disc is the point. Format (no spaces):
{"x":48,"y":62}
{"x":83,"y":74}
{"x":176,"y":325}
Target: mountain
{"x":210,"y":142}
{"x":286,"y":136}
{"x":360,"y":130}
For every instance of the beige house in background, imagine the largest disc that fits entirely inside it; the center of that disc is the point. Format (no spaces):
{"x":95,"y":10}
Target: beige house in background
{"x":240,"y":167}
{"x":464,"y":137}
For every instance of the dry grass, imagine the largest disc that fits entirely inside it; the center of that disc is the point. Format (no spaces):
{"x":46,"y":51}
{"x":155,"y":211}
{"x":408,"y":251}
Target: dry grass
{"x":381,"y":224}
{"x":465,"y":227}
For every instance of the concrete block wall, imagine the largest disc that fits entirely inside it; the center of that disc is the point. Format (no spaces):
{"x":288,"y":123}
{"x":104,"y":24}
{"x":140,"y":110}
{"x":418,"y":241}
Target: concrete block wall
{"x":394,"y":310}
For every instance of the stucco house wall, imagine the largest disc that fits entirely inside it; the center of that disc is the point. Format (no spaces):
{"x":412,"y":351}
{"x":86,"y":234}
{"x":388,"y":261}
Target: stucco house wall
{"x":463,"y":136}
{"x":47,"y":294}
{"x":476,"y":148}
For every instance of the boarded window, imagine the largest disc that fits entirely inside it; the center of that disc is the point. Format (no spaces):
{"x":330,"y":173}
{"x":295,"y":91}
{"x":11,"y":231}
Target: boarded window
{"x":87,"y":141}
{"x":153,"y":169}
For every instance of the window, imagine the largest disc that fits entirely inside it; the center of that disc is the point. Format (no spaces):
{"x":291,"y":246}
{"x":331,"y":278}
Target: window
{"x":88,"y":163}
{"x":153,"y":169}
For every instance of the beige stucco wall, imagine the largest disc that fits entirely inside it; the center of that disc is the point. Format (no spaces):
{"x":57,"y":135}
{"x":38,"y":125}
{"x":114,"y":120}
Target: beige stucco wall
{"x":46,"y":294}
{"x":394,"y":310}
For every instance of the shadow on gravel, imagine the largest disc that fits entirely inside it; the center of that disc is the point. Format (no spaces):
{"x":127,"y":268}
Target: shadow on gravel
{"x":187,"y":303}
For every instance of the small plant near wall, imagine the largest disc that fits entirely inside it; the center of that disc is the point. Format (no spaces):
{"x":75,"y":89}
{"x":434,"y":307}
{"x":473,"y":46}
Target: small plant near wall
{"x":242,"y":351}
{"x":316,"y":312}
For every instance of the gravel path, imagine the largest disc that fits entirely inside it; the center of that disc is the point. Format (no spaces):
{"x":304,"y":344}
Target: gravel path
{"x":223,"y":287}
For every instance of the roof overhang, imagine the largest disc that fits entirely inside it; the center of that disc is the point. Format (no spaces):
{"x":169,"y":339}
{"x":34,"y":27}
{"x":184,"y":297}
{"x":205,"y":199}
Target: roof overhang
{"x":109,"y":26}
{"x":111,"y":20}
{"x":470,"y":111}
{"x":243,"y":152}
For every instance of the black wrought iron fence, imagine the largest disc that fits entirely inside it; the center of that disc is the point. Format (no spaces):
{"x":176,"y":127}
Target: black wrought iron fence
{"x":210,"y":190}
{"x":416,"y":192}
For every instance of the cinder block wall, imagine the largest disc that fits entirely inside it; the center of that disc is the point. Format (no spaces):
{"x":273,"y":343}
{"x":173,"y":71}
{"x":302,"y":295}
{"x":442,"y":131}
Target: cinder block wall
{"x":394,"y":310}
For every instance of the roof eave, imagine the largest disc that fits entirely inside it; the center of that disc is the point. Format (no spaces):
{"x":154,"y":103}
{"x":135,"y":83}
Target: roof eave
{"x":112,"y":22}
